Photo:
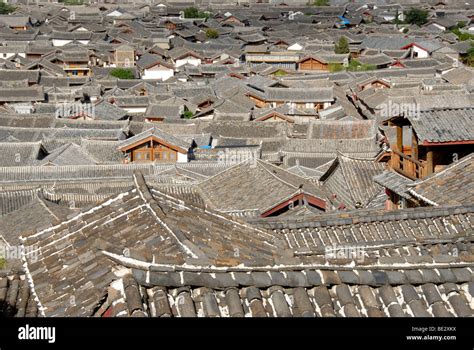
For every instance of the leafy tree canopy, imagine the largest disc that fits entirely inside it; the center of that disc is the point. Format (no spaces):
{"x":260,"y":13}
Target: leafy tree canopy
{"x":212,"y":33}
{"x":194,"y":12}
{"x":462,"y":36}
{"x":72,"y":2}
{"x":335,"y":67}
{"x":321,"y":3}
{"x":355,"y":65}
{"x":5,"y":9}
{"x":342,"y":46}
{"x":122,"y":73}
{"x":416,"y":16}
{"x":469,"y":60}
{"x":187,"y":114}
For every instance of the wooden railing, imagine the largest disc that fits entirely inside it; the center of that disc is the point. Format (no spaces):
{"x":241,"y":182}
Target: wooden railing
{"x":407,"y":166}
{"x":76,"y":65}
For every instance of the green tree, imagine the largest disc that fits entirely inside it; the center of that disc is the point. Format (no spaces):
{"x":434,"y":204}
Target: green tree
{"x":397,"y":18}
{"x":72,"y":2}
{"x":187,"y":114}
{"x":469,"y":59}
{"x":342,"y":46}
{"x":461,"y":35}
{"x":280,"y":73}
{"x":5,"y":9}
{"x":194,"y":12}
{"x":3,"y":263}
{"x":321,"y":3}
{"x":416,"y":16}
{"x":335,"y":67}
{"x":356,"y":66}
{"x":212,"y":33}
{"x":122,"y":73}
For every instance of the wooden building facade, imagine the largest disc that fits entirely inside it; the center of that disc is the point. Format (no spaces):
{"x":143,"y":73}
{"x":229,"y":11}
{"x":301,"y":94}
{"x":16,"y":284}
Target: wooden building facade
{"x":152,"y":149}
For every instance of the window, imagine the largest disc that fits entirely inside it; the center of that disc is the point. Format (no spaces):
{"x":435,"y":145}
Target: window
{"x":159,"y":153}
{"x":163,"y":153}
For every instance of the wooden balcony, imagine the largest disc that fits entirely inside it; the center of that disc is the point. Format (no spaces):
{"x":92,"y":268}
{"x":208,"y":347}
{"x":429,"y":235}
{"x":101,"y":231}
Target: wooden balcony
{"x":407,"y":166}
{"x":69,"y":66}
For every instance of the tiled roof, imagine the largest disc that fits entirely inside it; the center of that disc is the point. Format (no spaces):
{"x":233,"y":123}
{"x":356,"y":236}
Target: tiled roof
{"x":374,"y":228}
{"x":39,"y":134}
{"x":186,"y":263}
{"x":68,"y":154}
{"x":342,"y":294}
{"x":394,"y":182}
{"x":451,"y":186}
{"x":42,"y":213}
{"x":350,"y":181}
{"x":243,"y":228}
{"x":173,"y":236}
{"x":159,"y":134}
{"x":444,"y":125}
{"x":30,"y":94}
{"x":244,"y":187}
{"x":20,"y":153}
{"x":15,"y":297}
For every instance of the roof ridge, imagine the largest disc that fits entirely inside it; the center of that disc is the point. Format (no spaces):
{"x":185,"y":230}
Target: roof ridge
{"x":277,"y":177}
{"x":343,"y":164}
{"x":186,"y":246}
{"x":376,"y":215}
{"x":43,"y":204}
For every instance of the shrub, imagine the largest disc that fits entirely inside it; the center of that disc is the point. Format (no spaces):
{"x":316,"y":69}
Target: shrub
{"x":122,"y":73}
{"x":72,"y":2}
{"x":335,"y":67}
{"x":187,"y":114}
{"x":469,"y":59}
{"x":462,"y":36}
{"x":280,"y":73}
{"x":321,"y":3}
{"x":212,"y":33}
{"x":5,"y":9}
{"x":356,"y":66}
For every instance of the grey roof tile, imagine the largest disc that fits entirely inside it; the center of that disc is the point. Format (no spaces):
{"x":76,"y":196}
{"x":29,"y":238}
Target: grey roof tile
{"x":418,"y":309}
{"x":447,"y":275}
{"x":234,"y":303}
{"x":348,"y":277}
{"x":280,"y":305}
{"x":431,"y":293}
{"x":460,"y":305}
{"x":380,"y":277}
{"x":302,"y":302}
{"x":414,"y":276}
